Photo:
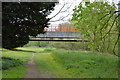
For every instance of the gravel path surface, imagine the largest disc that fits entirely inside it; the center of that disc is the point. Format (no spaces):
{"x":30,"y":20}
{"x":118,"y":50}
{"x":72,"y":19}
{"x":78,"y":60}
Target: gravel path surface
{"x":32,"y":71}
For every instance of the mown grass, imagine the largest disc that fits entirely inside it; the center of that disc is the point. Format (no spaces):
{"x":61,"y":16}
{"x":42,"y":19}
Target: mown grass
{"x":46,"y":63}
{"x":18,"y":71}
{"x":77,"y":64}
{"x":32,"y":49}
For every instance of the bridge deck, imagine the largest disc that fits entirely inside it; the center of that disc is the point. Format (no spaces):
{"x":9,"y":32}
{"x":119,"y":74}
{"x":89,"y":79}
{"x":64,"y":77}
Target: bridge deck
{"x":59,"y":39}
{"x":59,"y":36}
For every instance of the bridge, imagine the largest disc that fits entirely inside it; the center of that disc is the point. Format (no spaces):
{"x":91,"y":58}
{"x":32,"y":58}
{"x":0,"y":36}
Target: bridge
{"x":59,"y":36}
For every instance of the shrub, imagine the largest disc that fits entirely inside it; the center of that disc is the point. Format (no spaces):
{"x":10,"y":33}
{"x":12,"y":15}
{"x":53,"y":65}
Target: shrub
{"x":49,"y":49}
{"x":37,"y":43}
{"x":70,"y":45}
{"x":10,"y":62}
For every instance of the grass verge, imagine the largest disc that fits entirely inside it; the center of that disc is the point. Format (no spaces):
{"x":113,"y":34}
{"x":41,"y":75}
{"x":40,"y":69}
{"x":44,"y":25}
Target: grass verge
{"x":46,"y":63}
{"x":77,"y":64}
{"x":18,"y":71}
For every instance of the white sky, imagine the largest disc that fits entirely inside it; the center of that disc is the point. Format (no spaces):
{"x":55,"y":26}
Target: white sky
{"x":69,"y":3}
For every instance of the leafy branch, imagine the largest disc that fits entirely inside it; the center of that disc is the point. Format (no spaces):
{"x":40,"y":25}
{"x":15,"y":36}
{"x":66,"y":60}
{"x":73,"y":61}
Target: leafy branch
{"x":111,"y":26}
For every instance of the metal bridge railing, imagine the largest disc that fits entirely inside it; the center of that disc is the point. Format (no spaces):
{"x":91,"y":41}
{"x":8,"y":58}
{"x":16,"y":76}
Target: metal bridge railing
{"x":60,"y":34}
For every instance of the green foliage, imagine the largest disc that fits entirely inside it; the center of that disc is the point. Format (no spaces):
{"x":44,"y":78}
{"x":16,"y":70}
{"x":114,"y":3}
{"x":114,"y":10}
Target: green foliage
{"x":64,"y":63}
{"x":15,"y":73}
{"x":97,"y":21}
{"x":18,"y":71}
{"x":77,"y":64}
{"x":37,"y":43}
{"x":48,"y":49}
{"x":69,"y":45}
{"x":23,"y":19}
{"x":83,"y":64}
{"x":45,"y":63}
{"x":62,"y":45}
{"x":8,"y":62}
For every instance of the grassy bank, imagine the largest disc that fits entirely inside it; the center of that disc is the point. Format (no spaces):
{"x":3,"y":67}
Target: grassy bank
{"x":63,"y":63}
{"x":87,"y":64}
{"x":77,"y":64}
{"x":18,"y":71}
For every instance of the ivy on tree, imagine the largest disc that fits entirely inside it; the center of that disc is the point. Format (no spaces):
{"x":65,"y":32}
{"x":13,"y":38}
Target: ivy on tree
{"x":23,"y":19}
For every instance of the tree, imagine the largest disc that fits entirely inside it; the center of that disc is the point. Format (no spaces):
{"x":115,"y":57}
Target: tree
{"x":23,"y":19}
{"x":97,"y":21}
{"x":66,"y":27}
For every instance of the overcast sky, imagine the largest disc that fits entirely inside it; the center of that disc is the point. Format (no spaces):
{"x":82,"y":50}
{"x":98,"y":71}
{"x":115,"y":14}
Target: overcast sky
{"x":68,"y":3}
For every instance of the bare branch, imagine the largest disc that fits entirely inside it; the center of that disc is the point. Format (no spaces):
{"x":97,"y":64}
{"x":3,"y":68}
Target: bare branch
{"x":116,"y":11}
{"x":105,"y":15}
{"x":60,"y":18}
{"x":67,"y":8}
{"x":106,"y":23}
{"x":58,"y":11}
{"x":108,"y":14}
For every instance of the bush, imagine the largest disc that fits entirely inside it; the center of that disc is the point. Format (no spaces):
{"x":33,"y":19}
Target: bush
{"x":10,"y":62}
{"x":70,"y":45}
{"x":37,"y":43}
{"x":49,"y":49}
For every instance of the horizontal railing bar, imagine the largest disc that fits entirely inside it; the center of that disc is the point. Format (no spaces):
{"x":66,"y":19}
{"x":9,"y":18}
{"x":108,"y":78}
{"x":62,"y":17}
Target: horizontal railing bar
{"x":63,"y":40}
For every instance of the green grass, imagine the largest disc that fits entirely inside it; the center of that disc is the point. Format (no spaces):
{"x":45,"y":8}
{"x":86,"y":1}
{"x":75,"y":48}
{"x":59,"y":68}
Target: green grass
{"x":87,"y":64}
{"x":45,"y":62}
{"x":15,"y":72}
{"x":34,"y":49}
{"x":64,"y":63}
{"x":77,"y":64}
{"x":18,"y":71}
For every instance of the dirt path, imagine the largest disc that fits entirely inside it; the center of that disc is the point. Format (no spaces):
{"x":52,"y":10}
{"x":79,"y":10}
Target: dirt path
{"x":32,"y":71}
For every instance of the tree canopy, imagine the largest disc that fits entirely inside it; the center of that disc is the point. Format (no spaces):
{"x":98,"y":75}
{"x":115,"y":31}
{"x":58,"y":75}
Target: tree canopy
{"x":66,"y":27}
{"x":23,"y":19}
{"x":98,"y":22}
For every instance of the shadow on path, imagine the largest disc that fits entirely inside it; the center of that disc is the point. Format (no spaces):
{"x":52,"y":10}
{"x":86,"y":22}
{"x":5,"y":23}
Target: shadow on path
{"x":22,"y":50}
